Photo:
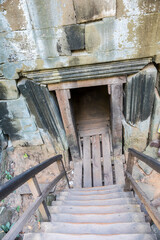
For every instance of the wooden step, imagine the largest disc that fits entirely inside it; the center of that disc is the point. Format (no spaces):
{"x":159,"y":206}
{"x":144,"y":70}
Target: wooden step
{"x":61,"y":236}
{"x":97,"y":209}
{"x":95,"y":197}
{"x":97,"y":188}
{"x":96,"y":228}
{"x":97,"y":192}
{"x":99,"y":218}
{"x":117,"y":201}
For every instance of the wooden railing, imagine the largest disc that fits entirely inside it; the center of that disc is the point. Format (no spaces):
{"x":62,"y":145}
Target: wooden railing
{"x":154,"y":164}
{"x":39,"y":202}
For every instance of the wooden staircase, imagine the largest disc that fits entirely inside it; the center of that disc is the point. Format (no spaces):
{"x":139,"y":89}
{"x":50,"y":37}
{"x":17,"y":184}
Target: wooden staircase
{"x":97,"y":213}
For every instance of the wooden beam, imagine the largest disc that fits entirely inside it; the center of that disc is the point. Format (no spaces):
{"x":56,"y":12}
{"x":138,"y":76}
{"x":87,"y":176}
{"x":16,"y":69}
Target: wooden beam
{"x":152,"y":211}
{"x":130,"y":164}
{"x":116,"y":117}
{"x":36,"y":191}
{"x":65,"y":109}
{"x":87,"y":83}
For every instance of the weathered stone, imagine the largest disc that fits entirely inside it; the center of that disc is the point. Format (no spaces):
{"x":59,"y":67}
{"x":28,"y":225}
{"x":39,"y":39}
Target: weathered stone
{"x":52,"y":42}
{"x":8,"y":89}
{"x":51,"y":13}
{"x":156,"y":231}
{"x":14,"y":15}
{"x":140,"y":7}
{"x":99,"y":36}
{"x":94,"y":9}
{"x":27,"y":125}
{"x":75,"y":36}
{"x":137,"y":173}
{"x":27,"y":139}
{"x":5,"y":215}
{"x":146,"y":169}
{"x":140,"y":94}
{"x":47,"y":118}
{"x":136,"y":136}
{"x":148,"y":189}
{"x":155,"y":117}
{"x":18,"y":108}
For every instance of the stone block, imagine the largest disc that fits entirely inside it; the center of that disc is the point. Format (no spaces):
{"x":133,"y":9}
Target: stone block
{"x":14,"y":14}
{"x":52,"y":42}
{"x":27,"y":139}
{"x":146,"y":169}
{"x":8,"y":89}
{"x":51,"y":13}
{"x":137,"y":7}
{"x":94,"y":9}
{"x":155,"y":117}
{"x":18,"y":108}
{"x":27,"y":125}
{"x":75,"y":36}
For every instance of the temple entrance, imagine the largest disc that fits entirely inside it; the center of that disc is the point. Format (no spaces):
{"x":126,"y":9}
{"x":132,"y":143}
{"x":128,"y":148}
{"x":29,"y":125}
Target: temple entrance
{"x":91,"y":108}
{"x":92,"y":116}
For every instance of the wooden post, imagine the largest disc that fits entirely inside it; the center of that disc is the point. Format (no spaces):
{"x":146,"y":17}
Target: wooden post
{"x":63,"y":97}
{"x":129,"y":169}
{"x":36,"y":191}
{"x":64,"y":105}
{"x":116,"y":121}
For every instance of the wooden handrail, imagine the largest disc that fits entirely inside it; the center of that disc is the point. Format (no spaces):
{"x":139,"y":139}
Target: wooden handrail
{"x":29,"y":176}
{"x":154,"y":164}
{"x":19,"y":180}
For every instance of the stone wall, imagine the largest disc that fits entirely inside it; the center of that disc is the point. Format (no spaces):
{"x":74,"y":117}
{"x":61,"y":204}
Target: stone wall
{"x":78,"y":33}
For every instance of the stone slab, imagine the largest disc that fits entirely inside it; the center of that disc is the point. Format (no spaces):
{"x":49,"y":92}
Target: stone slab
{"x":51,"y":13}
{"x":27,"y":139}
{"x":8,"y":90}
{"x":14,"y":14}
{"x":51,"y":43}
{"x":146,"y":169}
{"x":75,"y":36}
{"x":18,"y":108}
{"x":155,"y":117}
{"x":27,"y":125}
{"x":94,"y":9}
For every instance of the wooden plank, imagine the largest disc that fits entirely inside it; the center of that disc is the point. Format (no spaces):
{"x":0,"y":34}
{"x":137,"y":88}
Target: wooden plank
{"x":87,"y":162}
{"x":36,"y":191}
{"x":91,"y":132}
{"x":78,"y":174}
{"x":64,"y":105}
{"x":152,"y":211}
{"x":90,"y":126}
{"x":116,"y":116}
{"x":97,"y":170}
{"x":119,"y":170}
{"x":87,"y":83}
{"x":107,"y":166}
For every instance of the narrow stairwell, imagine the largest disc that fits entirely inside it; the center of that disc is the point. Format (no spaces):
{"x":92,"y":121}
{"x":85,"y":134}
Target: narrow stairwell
{"x":97,"y":213}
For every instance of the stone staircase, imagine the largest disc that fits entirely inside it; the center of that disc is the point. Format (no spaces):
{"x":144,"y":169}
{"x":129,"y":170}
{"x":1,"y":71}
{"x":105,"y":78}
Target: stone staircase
{"x":98,"y":213}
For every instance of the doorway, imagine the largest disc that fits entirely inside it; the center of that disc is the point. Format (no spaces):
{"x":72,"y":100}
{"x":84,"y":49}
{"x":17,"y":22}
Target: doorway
{"x":91,"y":110}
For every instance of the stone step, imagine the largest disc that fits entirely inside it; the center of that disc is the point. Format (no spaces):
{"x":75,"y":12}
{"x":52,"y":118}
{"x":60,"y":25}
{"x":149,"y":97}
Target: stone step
{"x":95,"y":228}
{"x":117,"y":201}
{"x":99,"y":218}
{"x":96,"y":196}
{"x":61,"y":236}
{"x":97,"y":209}
{"x":97,"y":188}
{"x":97,"y":192}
